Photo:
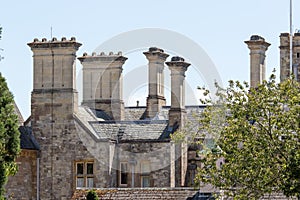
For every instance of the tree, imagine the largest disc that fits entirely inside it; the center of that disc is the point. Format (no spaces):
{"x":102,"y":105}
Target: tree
{"x":9,"y":135}
{"x":250,"y":139}
{"x":92,"y":195}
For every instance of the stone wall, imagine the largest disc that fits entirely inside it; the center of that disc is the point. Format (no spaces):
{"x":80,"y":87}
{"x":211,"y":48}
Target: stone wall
{"x":156,"y":154}
{"x":23,"y":184}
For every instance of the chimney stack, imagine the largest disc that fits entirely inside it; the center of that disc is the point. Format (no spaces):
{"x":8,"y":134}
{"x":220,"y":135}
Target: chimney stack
{"x":156,"y":98}
{"x":285,"y":55}
{"x":258,"y":48}
{"x":102,"y":83}
{"x":177,"y":113}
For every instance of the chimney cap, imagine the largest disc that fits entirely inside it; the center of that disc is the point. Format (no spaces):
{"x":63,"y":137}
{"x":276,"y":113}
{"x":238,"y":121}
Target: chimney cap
{"x":155,"y":49}
{"x":177,"y":59}
{"x":284,"y":34}
{"x":256,"y":38}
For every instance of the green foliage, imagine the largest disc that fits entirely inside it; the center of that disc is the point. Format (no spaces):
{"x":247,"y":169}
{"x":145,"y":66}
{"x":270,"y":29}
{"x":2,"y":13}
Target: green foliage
{"x":92,"y":195}
{"x":255,"y":135}
{"x":9,"y":135}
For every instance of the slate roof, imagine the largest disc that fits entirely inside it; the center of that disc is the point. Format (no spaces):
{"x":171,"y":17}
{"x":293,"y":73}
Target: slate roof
{"x":134,"y":127}
{"x":134,"y":113}
{"x":132,"y":130}
{"x":27,"y":139}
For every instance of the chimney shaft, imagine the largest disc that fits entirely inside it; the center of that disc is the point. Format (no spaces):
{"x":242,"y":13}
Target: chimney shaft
{"x":156,"y":98}
{"x":177,"y":113}
{"x":258,"y":48}
{"x":102,"y":83}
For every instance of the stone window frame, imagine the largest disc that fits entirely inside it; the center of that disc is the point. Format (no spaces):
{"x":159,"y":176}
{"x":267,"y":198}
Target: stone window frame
{"x":85,"y":175}
{"x":126,"y":173}
{"x":145,"y":173}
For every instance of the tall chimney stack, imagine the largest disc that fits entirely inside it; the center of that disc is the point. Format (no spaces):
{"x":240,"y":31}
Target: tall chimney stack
{"x":177,"y":113}
{"x":284,"y":47}
{"x":156,"y":98}
{"x":258,"y":48}
{"x":103,"y":82}
{"x":53,"y":104}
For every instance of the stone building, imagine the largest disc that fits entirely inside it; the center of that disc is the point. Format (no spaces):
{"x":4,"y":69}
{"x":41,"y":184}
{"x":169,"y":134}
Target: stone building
{"x":127,"y":151}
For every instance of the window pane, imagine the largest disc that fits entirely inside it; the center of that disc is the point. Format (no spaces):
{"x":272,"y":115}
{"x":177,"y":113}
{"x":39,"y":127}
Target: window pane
{"x":89,"y":168}
{"x":124,"y":167}
{"x":145,"y":181}
{"x":79,"y":168}
{"x":90,"y":182}
{"x":123,"y":173}
{"x":80,"y":182}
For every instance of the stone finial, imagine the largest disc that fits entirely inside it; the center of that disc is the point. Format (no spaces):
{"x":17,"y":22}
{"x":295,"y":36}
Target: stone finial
{"x":85,"y":54}
{"x":119,"y":53}
{"x":94,"y":54}
{"x":111,"y":53}
{"x":73,"y":39}
{"x":44,"y":40}
{"x":54,"y":39}
{"x":102,"y":54}
{"x":63,"y":39}
{"x":35,"y":40}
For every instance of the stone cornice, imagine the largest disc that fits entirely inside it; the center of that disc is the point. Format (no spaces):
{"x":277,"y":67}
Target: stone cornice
{"x":54,"y":43}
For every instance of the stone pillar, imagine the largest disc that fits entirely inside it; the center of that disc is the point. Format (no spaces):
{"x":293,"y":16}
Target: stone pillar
{"x":285,"y":55}
{"x":102,"y":83}
{"x":156,"y":98}
{"x":258,"y":48}
{"x":177,"y":113}
{"x":53,"y":103}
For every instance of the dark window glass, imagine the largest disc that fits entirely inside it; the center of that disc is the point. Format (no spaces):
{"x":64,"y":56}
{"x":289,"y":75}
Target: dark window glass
{"x":79,"y":168}
{"x":89,"y":168}
{"x":123,"y":173}
{"x":145,"y":181}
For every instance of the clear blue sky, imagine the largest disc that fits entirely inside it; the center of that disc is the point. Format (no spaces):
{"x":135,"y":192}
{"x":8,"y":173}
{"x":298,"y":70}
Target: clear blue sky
{"x":219,"y":27}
